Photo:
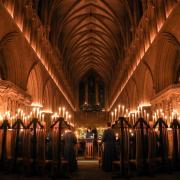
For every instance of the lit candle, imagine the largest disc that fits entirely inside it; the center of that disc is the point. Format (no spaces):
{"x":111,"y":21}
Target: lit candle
{"x":133,"y":119}
{"x":147,"y":117}
{"x":115,"y":111}
{"x":18,"y":115}
{"x":60,"y":111}
{"x":69,"y":118}
{"x":34,"y":112}
{"x":112,"y":114}
{"x":157,"y":113}
{"x":127,"y":112}
{"x":37,"y":115}
{"x":28,"y":119}
{"x":145,"y":114}
{"x":161,"y":113}
{"x":63,"y":112}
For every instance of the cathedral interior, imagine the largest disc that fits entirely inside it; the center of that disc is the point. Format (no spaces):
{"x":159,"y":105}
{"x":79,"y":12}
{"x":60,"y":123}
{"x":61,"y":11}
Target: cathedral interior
{"x":78,"y":66}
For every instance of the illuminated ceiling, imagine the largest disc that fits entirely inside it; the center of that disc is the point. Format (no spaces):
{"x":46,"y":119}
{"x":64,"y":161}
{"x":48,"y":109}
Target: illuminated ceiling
{"x":87,"y":34}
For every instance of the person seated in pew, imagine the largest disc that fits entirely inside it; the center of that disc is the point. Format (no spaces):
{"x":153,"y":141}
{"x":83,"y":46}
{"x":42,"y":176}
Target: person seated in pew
{"x":70,"y":142}
{"x":109,"y":148}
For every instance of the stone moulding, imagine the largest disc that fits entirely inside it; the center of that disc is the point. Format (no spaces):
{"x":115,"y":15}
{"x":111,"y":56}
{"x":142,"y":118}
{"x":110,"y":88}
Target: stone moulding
{"x":169,"y":98}
{"x":9,"y":89}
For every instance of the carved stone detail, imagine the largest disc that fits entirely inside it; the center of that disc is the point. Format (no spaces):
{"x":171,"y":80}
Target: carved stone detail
{"x":168,"y":99}
{"x":12,"y":97}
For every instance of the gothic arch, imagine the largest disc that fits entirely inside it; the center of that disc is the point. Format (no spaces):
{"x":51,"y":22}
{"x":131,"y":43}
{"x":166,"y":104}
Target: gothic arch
{"x":166,"y":61}
{"x":35,"y":84}
{"x":133,"y":94}
{"x":48,"y":98}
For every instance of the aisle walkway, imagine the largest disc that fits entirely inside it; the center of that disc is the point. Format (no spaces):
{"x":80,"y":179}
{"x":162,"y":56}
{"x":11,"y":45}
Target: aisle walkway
{"x":89,"y":170}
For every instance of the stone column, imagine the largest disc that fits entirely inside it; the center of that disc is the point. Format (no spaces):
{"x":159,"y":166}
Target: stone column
{"x":97,"y":93}
{"x":86,"y":91}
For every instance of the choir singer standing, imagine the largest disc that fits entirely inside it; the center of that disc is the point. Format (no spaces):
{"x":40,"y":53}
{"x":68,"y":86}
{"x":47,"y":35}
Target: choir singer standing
{"x":70,"y":141}
{"x":109,"y":148}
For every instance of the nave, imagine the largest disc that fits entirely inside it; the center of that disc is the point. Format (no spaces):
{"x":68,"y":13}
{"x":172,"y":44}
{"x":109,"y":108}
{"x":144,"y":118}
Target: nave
{"x":89,"y":88}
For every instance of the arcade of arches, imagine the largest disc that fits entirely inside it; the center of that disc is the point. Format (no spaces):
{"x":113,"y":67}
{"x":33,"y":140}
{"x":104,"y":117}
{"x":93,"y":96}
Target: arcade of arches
{"x":90,"y":61}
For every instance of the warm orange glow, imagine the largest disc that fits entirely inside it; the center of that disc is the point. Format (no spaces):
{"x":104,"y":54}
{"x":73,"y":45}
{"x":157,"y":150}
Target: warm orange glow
{"x":19,"y":23}
{"x":34,"y":104}
{"x":137,"y":62}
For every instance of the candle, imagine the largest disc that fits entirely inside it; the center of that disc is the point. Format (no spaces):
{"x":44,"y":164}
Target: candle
{"x":115,"y":111}
{"x":148,"y":117}
{"x":133,"y":119}
{"x":161,"y":113}
{"x":157,"y":113}
{"x":63,"y":112}
{"x":60,"y":111}
{"x":28,"y":118}
{"x":126,"y":112}
{"x":119,"y":107}
{"x":112,"y":114}
{"x":34,"y":112}
{"x":69,"y":118}
{"x":145,"y":114}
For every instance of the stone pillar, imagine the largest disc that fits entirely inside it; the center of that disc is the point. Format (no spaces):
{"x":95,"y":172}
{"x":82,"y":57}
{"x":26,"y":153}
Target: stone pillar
{"x":86,"y":91}
{"x":97,"y":93}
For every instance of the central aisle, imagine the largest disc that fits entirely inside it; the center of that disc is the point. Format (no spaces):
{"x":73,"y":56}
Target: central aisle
{"x":89,"y":170}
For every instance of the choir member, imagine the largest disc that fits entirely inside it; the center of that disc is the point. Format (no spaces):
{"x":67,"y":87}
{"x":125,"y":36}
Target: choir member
{"x":70,"y":141}
{"x":89,"y":134}
{"x":109,"y":148}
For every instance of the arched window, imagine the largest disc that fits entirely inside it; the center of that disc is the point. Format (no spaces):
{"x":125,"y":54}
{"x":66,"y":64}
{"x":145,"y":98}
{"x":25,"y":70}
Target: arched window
{"x":91,"y":92}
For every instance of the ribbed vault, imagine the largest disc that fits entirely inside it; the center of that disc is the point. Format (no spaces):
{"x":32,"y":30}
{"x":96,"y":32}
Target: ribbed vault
{"x":87,"y":34}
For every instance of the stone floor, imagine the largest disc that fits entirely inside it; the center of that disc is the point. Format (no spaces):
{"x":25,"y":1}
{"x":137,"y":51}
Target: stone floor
{"x":89,"y":170}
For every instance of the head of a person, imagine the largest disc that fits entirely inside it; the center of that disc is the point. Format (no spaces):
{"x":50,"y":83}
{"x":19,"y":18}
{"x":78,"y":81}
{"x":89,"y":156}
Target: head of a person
{"x":88,"y":129}
{"x":108,"y":124}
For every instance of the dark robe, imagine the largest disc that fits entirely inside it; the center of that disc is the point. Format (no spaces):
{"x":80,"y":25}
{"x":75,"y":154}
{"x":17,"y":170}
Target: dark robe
{"x":70,"y":141}
{"x":109,"y":149}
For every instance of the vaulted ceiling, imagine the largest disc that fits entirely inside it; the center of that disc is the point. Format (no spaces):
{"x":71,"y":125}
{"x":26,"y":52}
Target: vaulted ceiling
{"x":87,"y":34}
